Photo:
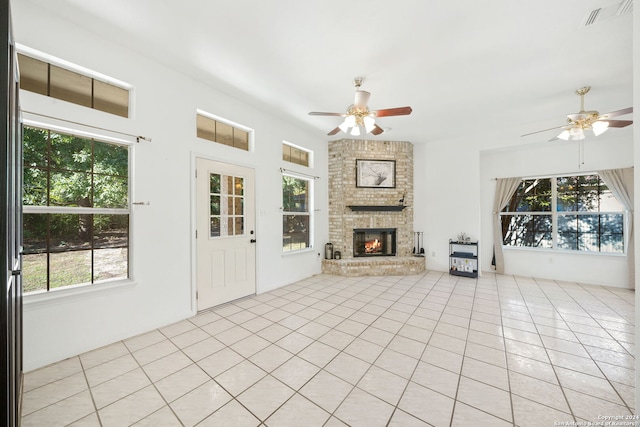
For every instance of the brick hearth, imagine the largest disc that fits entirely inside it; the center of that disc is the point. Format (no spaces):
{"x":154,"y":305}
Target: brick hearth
{"x":383,"y":266}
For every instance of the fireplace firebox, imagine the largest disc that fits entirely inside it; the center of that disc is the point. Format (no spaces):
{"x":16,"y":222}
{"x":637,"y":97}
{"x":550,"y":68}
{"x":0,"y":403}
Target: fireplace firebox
{"x":374,"y":242}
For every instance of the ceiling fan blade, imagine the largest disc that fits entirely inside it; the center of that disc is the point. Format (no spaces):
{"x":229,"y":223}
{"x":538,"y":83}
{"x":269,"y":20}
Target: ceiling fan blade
{"x":619,"y":123}
{"x":400,"y":111}
{"x":544,"y":130}
{"x":616,"y":113}
{"x":333,"y":132}
{"x":555,"y":138}
{"x":377,"y":130}
{"x":320,"y":113}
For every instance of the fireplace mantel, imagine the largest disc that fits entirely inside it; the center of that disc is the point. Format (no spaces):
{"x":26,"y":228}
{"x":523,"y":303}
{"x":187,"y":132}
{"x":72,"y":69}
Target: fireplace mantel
{"x":376,"y":208}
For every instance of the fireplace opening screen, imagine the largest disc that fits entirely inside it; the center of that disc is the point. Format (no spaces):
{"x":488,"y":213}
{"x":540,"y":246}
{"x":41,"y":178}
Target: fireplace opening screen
{"x":374,"y":242}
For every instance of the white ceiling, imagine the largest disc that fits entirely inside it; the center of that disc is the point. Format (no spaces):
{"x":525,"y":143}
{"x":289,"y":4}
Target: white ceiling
{"x":466,"y":67}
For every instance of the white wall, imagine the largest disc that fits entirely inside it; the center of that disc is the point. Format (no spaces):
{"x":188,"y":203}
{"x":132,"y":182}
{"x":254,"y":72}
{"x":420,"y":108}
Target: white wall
{"x":455,"y":188}
{"x":165,"y":106}
{"x":636,"y":161}
{"x":446,"y":196}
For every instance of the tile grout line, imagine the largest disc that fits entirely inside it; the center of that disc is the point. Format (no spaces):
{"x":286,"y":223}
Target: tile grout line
{"x":596,"y":362}
{"x":294,"y":355}
{"x":464,"y":352}
{"x":395,"y":407}
{"x":553,"y":365}
{"x":590,"y":356}
{"x":506,"y":357}
{"x":332,"y":414}
{"x":495,"y":286}
{"x":382,"y":285}
{"x":93,"y":400}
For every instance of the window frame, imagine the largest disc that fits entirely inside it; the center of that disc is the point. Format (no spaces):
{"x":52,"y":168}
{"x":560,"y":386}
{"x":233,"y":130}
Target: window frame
{"x":554,"y":213}
{"x":234,"y":125}
{"x":309,"y":211}
{"x":309,"y":163}
{"x":83,"y":71}
{"x":79,"y":288}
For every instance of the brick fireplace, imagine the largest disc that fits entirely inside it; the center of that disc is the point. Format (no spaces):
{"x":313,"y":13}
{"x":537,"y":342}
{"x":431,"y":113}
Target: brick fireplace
{"x":354,"y":209}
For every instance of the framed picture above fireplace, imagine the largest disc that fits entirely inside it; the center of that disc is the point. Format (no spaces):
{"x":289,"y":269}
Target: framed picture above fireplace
{"x":375,"y":173}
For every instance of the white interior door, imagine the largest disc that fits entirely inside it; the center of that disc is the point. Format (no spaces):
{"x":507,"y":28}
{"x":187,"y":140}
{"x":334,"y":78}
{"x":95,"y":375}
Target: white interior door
{"x":225,"y":236}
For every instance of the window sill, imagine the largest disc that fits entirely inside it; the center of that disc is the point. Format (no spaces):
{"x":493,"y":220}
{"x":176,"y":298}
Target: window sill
{"x":70,"y":292}
{"x":299,"y":251}
{"x":562,"y":251}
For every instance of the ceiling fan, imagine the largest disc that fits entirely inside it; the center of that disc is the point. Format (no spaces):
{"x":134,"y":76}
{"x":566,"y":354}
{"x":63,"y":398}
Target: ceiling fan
{"x":358,"y":114}
{"x":581,"y":121}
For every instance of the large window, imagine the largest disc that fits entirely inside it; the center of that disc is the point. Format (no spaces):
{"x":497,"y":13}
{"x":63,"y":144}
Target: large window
{"x":568,"y":213}
{"x":297,"y":213}
{"x":76,"y":210}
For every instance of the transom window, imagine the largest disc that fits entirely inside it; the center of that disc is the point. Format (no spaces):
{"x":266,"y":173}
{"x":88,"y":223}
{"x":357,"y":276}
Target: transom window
{"x":294,"y":154}
{"x":222,"y":132}
{"x":297,"y":218}
{"x":61,"y":83}
{"x":568,"y":213}
{"x":76,"y":210}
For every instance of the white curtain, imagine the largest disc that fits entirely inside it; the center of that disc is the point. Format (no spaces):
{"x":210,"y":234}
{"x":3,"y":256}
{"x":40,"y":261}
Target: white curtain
{"x":505,"y":187}
{"x":620,"y":182}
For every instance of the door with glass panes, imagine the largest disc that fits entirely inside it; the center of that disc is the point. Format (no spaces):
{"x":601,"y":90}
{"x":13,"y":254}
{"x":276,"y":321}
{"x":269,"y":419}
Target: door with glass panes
{"x":225,"y":236}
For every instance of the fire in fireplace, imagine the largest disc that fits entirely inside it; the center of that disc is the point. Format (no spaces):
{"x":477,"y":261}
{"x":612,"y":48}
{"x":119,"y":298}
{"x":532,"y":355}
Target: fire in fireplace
{"x":374,"y":242}
{"x":372,"y":246}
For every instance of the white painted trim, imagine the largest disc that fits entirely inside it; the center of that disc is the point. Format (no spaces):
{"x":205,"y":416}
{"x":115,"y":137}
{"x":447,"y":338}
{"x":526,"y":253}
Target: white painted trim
{"x":50,"y":59}
{"x":36,"y":54}
{"x":299,"y":251}
{"x":310,"y":212}
{"x":35,"y":299}
{"x":74,"y":210}
{"x":310,"y":152}
{"x":80,"y":289}
{"x":564,"y":251}
{"x":79,"y":130}
{"x":237,"y":125}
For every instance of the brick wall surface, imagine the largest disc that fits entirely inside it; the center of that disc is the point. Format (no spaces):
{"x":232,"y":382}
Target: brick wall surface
{"x":343,"y":192}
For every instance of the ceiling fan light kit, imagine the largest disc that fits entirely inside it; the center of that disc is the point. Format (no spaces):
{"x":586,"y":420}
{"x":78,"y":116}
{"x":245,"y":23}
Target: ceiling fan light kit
{"x":599,"y":127}
{"x":359,"y":116}
{"x":369,"y":123}
{"x":583,"y":120}
{"x":592,"y":121}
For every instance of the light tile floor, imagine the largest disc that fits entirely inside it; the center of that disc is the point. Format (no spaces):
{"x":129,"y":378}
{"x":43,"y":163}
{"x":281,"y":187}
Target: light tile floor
{"x":421,"y":350}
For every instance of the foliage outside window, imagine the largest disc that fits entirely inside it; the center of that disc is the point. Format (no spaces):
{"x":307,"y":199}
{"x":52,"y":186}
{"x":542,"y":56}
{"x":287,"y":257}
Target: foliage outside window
{"x":293,"y":154}
{"x":226,"y":205}
{"x":221,"y":132}
{"x":576,"y":213}
{"x":76,"y":210}
{"x":296,"y":218}
{"x":60,"y":83}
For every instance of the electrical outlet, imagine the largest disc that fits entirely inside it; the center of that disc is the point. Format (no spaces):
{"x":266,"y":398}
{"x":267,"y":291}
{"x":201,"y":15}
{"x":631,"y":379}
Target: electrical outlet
{"x":433,"y":253}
